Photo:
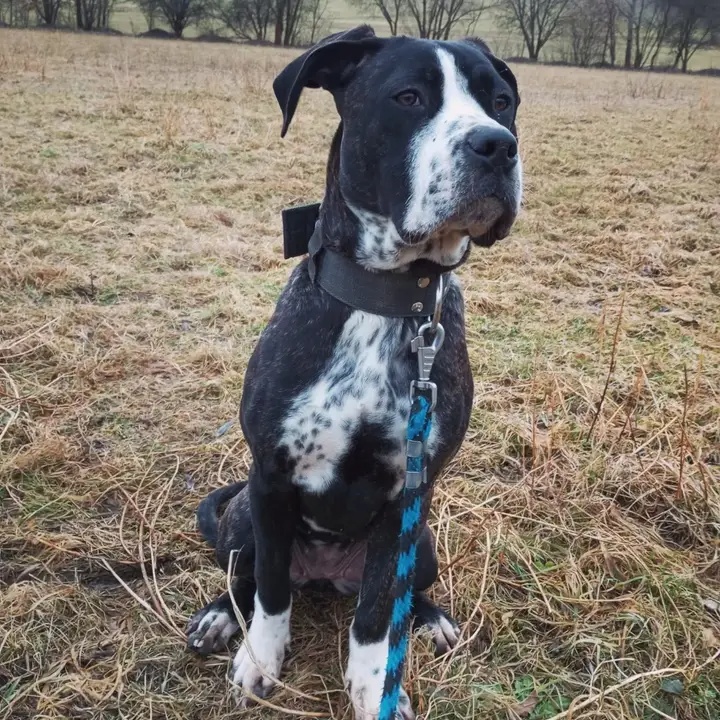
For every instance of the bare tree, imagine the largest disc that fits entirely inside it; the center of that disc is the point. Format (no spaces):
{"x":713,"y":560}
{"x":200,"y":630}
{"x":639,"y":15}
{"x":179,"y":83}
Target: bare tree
{"x":285,"y":22}
{"x":290,"y":13}
{"x":150,"y":10}
{"x":627,"y":9}
{"x":651,"y":31}
{"x":610,"y":19}
{"x":48,"y":10}
{"x":93,"y":14}
{"x":590,"y":29}
{"x":584,"y":26}
{"x":247,"y":19}
{"x":648,"y":22}
{"x":393,"y":11}
{"x":537,"y":20}
{"x":181,"y":13}
{"x":693,"y":24}
{"x":314,"y":23}
{"x":437,"y":19}
{"x":15,"y":13}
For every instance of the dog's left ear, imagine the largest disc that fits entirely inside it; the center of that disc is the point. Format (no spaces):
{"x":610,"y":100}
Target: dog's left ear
{"x":329,"y":64}
{"x":503,"y":70}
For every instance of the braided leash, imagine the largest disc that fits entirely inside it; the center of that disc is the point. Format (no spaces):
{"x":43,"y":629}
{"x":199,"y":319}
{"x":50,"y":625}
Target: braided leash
{"x":423,"y":394}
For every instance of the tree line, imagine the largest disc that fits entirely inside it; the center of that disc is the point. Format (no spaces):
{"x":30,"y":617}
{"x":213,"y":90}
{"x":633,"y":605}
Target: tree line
{"x":623,"y":33}
{"x":626,"y":33}
{"x":280,"y":22}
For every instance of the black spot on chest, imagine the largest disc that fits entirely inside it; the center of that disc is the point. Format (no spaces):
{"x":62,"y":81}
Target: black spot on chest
{"x":366,"y":459}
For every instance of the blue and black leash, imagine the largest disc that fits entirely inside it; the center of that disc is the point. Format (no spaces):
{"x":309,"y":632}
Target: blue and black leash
{"x":423,"y":394}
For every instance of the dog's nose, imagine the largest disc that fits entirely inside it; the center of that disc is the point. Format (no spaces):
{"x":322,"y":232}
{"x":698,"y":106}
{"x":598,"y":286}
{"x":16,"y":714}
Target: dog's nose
{"x":497,"y":145}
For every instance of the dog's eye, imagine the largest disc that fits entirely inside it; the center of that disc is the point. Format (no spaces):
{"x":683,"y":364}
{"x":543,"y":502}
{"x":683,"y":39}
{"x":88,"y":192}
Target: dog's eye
{"x":502,"y":102}
{"x":407,"y":98}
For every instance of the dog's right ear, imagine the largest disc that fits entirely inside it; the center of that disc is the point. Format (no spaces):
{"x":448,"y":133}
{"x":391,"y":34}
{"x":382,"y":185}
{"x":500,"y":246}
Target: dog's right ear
{"x":329,"y":64}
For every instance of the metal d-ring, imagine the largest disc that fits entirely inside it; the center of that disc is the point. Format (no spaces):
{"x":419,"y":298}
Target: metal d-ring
{"x":439,"y":292}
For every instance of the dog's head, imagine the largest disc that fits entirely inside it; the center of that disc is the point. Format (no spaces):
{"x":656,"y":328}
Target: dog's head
{"x":426,"y":156}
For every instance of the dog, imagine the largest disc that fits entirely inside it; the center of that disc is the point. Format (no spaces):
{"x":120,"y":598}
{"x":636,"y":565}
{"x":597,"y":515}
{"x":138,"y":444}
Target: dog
{"x":423,"y":165}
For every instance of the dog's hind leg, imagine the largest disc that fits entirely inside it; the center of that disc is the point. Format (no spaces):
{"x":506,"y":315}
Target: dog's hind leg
{"x":211,"y":628}
{"x":427,"y":616}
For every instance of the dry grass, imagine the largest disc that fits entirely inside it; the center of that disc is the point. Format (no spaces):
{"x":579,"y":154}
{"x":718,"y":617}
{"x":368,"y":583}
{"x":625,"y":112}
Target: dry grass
{"x":579,"y":528}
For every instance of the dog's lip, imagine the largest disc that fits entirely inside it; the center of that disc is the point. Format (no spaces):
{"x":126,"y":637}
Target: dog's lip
{"x":497,"y":231}
{"x":484,"y":220}
{"x":477,"y":219}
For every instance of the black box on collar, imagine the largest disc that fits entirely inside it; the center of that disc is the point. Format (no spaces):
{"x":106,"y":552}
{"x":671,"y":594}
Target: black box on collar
{"x":298,"y":226}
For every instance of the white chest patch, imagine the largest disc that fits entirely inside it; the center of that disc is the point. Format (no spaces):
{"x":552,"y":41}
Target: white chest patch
{"x":380,"y":246}
{"x":354,"y":388}
{"x":437,"y":151}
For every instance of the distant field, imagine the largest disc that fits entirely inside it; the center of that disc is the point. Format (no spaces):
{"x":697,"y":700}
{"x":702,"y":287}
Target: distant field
{"x":341,"y":15}
{"x":141,"y":184}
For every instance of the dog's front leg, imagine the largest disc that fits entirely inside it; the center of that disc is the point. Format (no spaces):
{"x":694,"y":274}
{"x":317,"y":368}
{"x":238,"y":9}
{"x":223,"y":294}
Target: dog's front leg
{"x":368,"y":653}
{"x":259,"y":660}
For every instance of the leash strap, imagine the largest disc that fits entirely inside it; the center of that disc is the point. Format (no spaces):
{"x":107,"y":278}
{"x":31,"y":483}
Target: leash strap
{"x":423,"y":394}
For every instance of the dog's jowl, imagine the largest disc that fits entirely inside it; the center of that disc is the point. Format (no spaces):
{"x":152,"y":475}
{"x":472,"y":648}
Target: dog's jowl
{"x":423,"y":164}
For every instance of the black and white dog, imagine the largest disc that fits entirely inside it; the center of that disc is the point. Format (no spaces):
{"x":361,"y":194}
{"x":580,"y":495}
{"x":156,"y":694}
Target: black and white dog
{"x":424,"y":163}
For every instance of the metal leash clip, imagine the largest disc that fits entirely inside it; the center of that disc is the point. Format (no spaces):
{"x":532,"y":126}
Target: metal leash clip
{"x":426,"y":358}
{"x":426,"y":353}
{"x":420,"y":389}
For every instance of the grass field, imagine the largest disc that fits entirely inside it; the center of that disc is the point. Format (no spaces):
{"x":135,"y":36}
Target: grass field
{"x":578,"y":530}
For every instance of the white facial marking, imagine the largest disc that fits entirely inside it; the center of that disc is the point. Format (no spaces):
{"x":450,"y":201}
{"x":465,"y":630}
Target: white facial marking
{"x":365,"y":678}
{"x":437,"y":153}
{"x":259,"y":660}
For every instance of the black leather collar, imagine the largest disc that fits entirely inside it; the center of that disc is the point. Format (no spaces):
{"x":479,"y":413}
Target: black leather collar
{"x":392,"y":294}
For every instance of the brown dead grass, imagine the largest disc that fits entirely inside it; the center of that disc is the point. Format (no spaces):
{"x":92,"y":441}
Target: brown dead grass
{"x":578,"y":529}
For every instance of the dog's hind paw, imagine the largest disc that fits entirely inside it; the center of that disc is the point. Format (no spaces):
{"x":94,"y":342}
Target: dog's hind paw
{"x":429,"y":618}
{"x":210,"y":629}
{"x":444,"y":632}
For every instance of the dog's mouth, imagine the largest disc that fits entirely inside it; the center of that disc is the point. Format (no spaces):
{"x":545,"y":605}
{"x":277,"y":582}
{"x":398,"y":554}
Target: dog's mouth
{"x":485,"y":222}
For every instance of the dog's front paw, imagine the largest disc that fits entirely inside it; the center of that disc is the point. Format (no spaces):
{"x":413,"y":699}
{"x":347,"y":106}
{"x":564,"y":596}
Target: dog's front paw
{"x":256,"y":676}
{"x":365,"y":678}
{"x":259,"y":660}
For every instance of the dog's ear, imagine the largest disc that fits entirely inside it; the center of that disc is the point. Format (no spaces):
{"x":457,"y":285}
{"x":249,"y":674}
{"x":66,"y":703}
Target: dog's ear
{"x":329,"y":64}
{"x":503,"y":70}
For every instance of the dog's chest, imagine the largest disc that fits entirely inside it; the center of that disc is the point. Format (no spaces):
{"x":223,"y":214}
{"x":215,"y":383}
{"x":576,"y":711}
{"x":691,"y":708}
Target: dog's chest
{"x":351,"y":421}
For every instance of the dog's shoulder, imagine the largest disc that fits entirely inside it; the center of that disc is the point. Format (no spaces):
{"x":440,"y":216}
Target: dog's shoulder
{"x":291,"y":353}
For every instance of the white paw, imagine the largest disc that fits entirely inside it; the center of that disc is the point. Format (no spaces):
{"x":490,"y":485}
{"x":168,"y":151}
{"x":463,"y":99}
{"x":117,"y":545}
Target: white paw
{"x":365,"y":678}
{"x":259,"y":660}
